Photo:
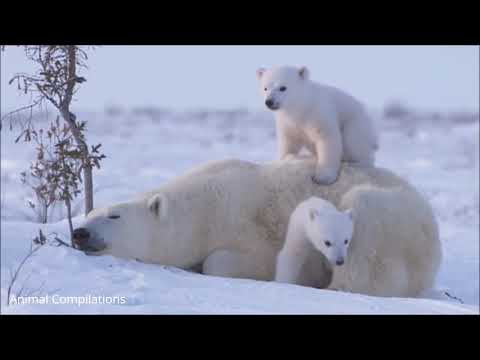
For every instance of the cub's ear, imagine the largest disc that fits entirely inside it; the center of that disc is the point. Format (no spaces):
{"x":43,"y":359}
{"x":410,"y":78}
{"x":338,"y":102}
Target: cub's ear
{"x":350,"y":213}
{"x":260,"y":72}
{"x":304,"y":72}
{"x":313,"y":214}
{"x":158,"y":205}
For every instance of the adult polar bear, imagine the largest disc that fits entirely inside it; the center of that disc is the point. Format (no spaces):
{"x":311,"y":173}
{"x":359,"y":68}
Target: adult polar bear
{"x":230,"y":217}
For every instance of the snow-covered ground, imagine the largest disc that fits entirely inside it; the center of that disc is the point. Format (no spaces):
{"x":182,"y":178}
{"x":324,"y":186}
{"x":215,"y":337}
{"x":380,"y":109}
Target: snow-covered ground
{"x":146,"y":147}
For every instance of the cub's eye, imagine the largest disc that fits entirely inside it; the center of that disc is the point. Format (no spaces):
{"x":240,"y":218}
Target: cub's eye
{"x":346,"y":241}
{"x":282,"y":88}
{"x":328,"y":243}
{"x":114,"y":216}
{"x":265,"y":89}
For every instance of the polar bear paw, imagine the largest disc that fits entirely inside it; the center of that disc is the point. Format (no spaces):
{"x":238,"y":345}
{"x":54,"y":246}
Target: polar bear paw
{"x":325,"y":177}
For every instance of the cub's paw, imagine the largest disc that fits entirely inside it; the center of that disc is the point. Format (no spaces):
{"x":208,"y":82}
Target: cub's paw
{"x":325,"y":178}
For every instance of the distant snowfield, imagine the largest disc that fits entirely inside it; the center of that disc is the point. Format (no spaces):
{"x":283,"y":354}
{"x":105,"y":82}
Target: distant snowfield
{"x":147,"y":148}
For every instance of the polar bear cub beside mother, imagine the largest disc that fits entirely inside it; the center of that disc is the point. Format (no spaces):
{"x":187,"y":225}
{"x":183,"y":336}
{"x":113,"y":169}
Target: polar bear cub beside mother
{"x":230,"y":218}
{"x":315,"y":225}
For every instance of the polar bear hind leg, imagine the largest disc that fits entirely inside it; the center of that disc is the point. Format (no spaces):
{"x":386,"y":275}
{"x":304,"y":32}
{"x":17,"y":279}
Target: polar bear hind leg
{"x":390,"y":278}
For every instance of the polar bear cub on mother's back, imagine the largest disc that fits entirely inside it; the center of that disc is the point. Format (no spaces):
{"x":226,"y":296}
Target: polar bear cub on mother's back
{"x":314,"y":222}
{"x":330,"y":123}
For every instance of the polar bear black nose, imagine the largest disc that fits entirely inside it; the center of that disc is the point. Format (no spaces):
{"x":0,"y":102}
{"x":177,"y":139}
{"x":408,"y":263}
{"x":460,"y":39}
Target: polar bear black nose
{"x":340,"y":262}
{"x":269,"y":103}
{"x":80,"y":236}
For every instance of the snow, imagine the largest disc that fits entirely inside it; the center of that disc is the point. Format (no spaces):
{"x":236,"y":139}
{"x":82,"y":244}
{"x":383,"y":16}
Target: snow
{"x":147,"y":147}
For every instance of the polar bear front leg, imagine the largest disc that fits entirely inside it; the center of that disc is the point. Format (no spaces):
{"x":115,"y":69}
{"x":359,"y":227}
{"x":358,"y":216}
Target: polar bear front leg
{"x":329,"y":151}
{"x":288,"y":147}
{"x":289,"y":265}
{"x":236,"y":264}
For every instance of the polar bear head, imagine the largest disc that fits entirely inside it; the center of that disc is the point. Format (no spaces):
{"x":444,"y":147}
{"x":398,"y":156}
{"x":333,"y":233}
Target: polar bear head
{"x":281,"y":87}
{"x":125,"y":230}
{"x":329,"y":230}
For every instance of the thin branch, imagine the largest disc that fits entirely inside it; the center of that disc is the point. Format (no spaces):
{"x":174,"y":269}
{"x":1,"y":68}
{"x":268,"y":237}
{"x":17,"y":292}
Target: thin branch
{"x":453,"y":297}
{"x":37,"y":290}
{"x":62,"y":242}
{"x":17,"y":271}
{"x":71,"y":75}
{"x":20,"y":292}
{"x":28,"y":107}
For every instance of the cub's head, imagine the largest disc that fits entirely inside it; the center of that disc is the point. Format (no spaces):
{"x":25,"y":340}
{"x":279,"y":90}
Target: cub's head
{"x":124,"y":229}
{"x":279,"y":86}
{"x":330,"y":231}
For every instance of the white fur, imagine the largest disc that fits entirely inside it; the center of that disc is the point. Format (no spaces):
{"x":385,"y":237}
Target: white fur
{"x":230,"y":218}
{"x":318,"y":222}
{"x":326,"y":121}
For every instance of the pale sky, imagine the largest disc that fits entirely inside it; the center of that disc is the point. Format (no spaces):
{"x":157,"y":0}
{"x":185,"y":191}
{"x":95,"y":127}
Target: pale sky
{"x":188,"y":77}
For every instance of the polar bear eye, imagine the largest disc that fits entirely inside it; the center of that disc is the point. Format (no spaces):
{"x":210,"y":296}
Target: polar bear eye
{"x":114,"y":216}
{"x":282,"y":88}
{"x":346,"y":241}
{"x":328,"y":243}
{"x":265,"y":89}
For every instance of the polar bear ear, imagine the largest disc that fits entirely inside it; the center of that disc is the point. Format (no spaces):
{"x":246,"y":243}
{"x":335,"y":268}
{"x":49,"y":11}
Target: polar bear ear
{"x":157,"y":204}
{"x":304,"y":72}
{"x":313,"y":214}
{"x":260,"y":72}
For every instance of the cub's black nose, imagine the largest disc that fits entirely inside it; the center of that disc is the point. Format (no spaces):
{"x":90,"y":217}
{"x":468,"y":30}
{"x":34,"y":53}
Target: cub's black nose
{"x":80,"y":236}
{"x":340,"y":262}
{"x":269,"y":103}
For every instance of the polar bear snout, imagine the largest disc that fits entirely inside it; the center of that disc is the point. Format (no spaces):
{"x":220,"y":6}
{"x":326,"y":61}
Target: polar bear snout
{"x":83,"y":240}
{"x":340,"y":261}
{"x":271,"y":104}
{"x":80,"y":236}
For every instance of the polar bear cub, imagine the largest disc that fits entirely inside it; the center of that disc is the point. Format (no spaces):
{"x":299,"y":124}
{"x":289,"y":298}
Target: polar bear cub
{"x":328,"y":122}
{"x":314,"y":222}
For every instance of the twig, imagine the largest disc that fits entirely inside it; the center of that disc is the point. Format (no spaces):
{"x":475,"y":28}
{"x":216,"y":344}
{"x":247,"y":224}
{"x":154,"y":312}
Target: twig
{"x":38,"y":290}
{"x":15,"y":275}
{"x":20,"y":292}
{"x":62,"y":242}
{"x":28,"y":107}
{"x":453,"y":297}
